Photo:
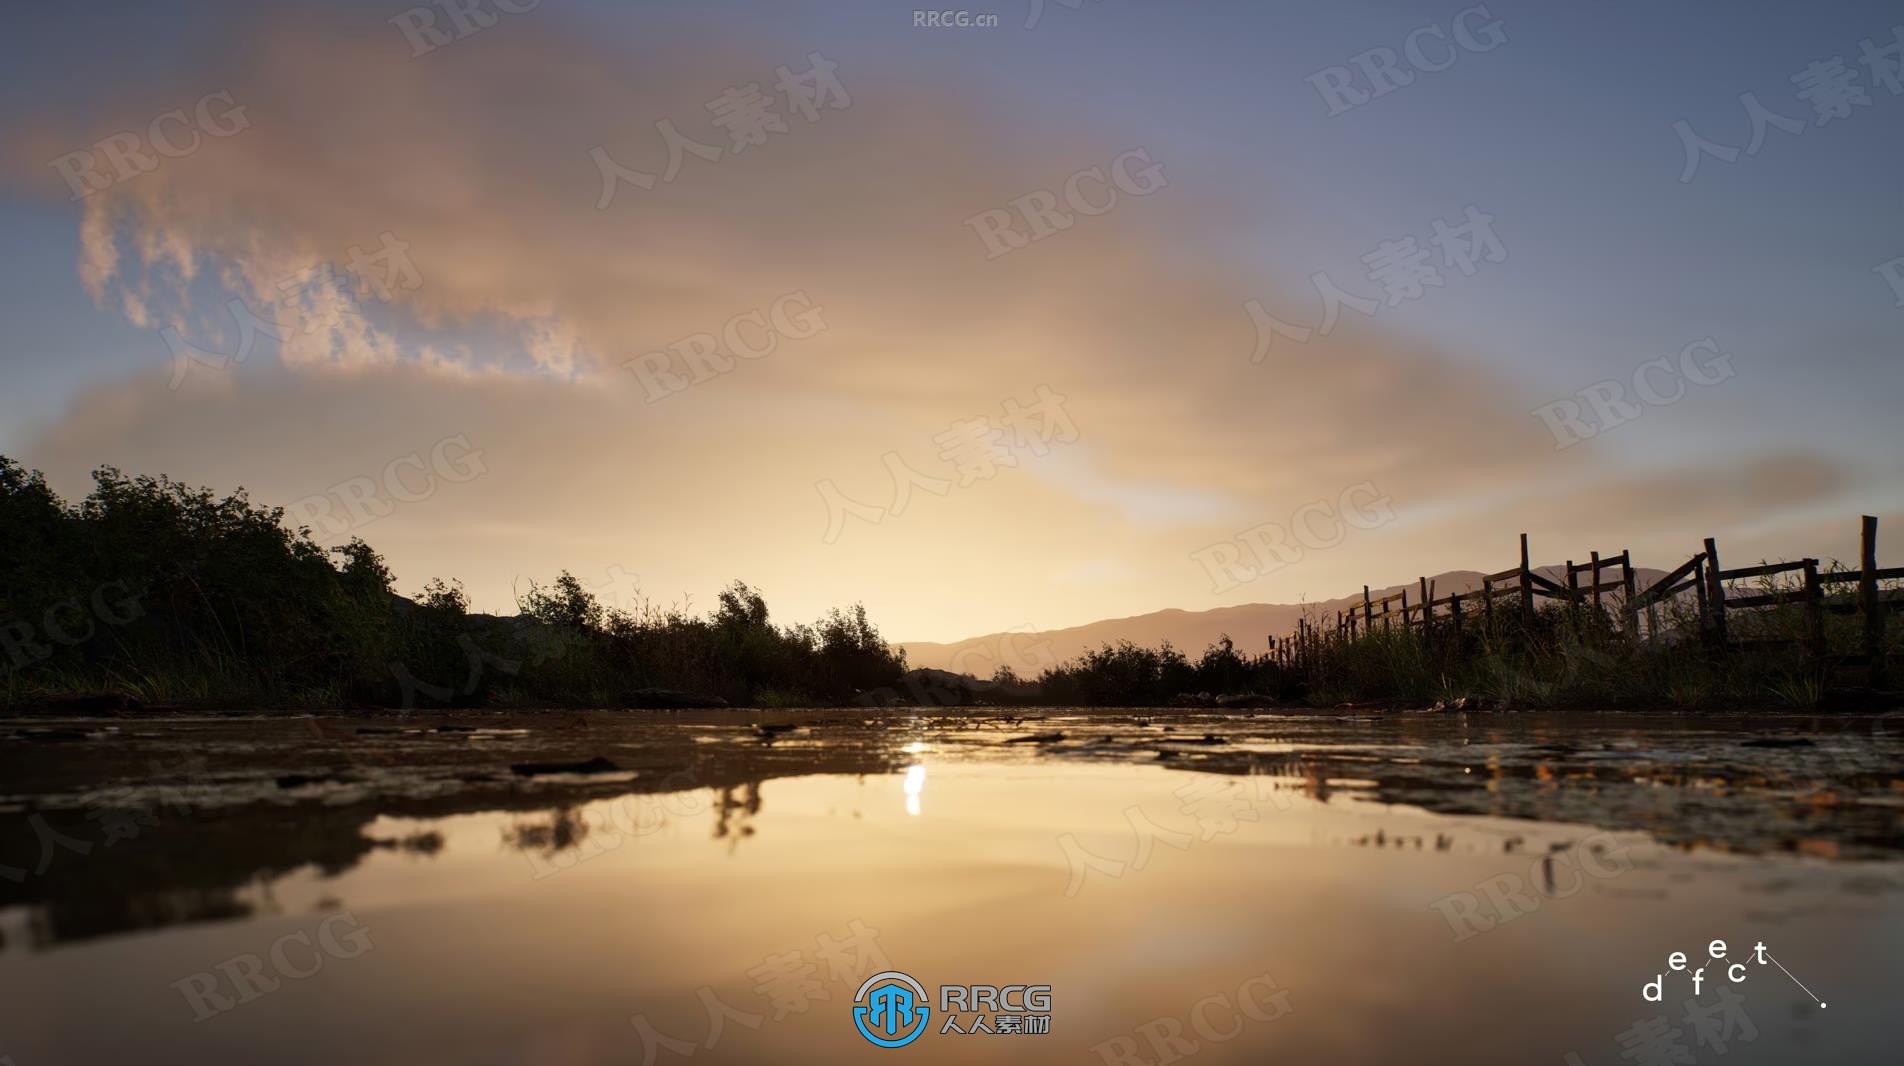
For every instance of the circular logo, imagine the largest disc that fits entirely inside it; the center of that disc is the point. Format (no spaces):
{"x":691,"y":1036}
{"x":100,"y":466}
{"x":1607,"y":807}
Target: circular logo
{"x":890,"y":1009}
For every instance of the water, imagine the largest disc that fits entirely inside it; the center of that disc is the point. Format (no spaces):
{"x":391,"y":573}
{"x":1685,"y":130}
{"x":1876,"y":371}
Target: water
{"x":1423,"y":889}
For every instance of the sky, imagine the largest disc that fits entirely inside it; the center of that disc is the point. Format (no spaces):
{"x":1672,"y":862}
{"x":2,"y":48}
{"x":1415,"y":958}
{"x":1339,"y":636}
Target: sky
{"x":1108,"y":307}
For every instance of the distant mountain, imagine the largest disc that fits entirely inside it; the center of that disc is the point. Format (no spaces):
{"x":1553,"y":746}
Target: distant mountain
{"x":1249,"y":625}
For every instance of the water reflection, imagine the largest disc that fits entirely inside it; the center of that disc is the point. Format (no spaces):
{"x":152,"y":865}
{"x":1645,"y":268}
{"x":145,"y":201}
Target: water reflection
{"x":599,"y":910}
{"x":915,"y":784}
{"x":735,"y":812}
{"x":104,"y":833}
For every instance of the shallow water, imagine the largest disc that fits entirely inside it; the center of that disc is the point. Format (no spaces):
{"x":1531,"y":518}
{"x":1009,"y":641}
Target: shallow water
{"x":1233,"y":888}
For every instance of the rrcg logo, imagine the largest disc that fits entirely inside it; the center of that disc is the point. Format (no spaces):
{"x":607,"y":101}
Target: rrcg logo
{"x":894,"y":1011}
{"x":891,"y":1009}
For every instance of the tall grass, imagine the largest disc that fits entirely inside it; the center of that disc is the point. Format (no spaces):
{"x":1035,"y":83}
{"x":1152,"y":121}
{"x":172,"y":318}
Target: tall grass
{"x":1562,"y":657}
{"x":1576,"y":656}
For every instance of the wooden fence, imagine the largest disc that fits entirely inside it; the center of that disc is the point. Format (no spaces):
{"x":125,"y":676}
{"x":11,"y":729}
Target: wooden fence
{"x":1513,"y":592}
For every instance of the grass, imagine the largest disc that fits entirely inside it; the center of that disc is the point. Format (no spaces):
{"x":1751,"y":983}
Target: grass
{"x":1582,"y":658}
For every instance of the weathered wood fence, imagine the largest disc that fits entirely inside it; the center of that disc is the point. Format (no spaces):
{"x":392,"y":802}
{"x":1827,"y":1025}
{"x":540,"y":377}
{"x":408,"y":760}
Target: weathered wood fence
{"x":1606,"y":586}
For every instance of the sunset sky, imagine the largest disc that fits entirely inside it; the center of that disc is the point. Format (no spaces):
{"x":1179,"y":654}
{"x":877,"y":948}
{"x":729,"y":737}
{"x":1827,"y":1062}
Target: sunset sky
{"x":507,"y":398}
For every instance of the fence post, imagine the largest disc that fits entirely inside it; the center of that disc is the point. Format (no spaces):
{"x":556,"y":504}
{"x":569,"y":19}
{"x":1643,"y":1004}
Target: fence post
{"x":1454,"y":614}
{"x":1404,"y":610}
{"x":1699,"y":590}
{"x":1715,"y":592}
{"x":1427,"y":607}
{"x":1368,"y":612}
{"x":1626,"y":586}
{"x":1814,"y":613}
{"x":1573,"y":593}
{"x":1874,"y":607}
{"x":1487,"y":606}
{"x":1527,"y":588}
{"x":1598,"y":615}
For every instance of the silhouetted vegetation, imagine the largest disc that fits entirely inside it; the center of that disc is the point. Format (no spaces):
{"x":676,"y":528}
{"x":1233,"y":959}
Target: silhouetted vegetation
{"x":1560,"y":658}
{"x":1565,"y":656}
{"x":1125,"y":675}
{"x":174,"y":595}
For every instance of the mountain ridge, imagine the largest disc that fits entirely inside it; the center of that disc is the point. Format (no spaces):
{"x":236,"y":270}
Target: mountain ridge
{"x":1249,"y":625}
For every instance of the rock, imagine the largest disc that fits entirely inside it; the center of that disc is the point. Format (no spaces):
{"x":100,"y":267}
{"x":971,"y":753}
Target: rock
{"x":1193,"y":699}
{"x":667,"y":699}
{"x":1238,"y":700}
{"x":597,"y":765}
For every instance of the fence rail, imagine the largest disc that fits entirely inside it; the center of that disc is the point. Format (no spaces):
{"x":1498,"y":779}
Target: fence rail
{"x":1516,"y":588}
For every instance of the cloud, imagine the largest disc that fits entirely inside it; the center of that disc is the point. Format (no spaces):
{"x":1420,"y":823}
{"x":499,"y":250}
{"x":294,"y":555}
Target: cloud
{"x":529,"y":302}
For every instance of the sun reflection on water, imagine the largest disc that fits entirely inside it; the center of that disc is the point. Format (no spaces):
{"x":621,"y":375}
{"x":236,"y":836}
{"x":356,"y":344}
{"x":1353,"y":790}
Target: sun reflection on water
{"x":915,"y":783}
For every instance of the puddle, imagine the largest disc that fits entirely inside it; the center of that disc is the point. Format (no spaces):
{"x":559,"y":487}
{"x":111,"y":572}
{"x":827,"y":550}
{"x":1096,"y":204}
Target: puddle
{"x":1417,"y":888}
